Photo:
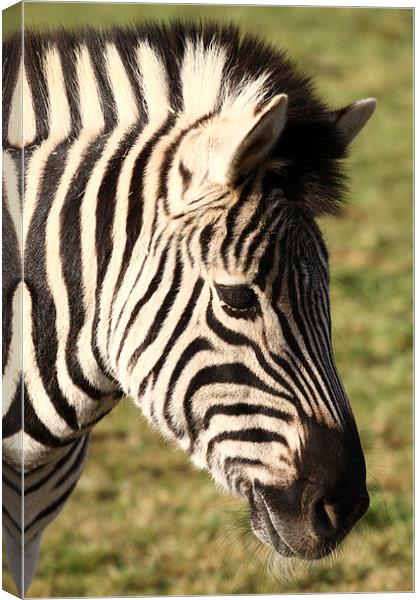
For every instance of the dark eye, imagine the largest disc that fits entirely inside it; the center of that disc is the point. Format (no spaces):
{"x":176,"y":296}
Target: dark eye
{"x":239,"y":297}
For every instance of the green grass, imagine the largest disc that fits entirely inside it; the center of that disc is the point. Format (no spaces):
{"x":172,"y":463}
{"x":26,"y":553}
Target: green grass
{"x":142,"y":520}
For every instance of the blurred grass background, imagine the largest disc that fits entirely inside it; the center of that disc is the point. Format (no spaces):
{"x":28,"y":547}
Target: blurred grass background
{"x":142,"y":520}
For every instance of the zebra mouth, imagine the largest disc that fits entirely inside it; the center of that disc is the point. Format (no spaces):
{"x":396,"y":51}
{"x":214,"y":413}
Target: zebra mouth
{"x":277,"y":530}
{"x":264,"y":528}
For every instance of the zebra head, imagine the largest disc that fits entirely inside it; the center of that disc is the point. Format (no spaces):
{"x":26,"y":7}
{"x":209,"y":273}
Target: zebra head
{"x":245,"y":378}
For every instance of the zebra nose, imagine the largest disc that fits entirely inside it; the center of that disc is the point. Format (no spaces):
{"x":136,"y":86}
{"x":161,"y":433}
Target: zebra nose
{"x":332,"y":512}
{"x":324,"y":518}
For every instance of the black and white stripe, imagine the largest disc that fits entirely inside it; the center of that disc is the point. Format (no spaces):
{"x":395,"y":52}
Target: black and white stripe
{"x":171,"y":179}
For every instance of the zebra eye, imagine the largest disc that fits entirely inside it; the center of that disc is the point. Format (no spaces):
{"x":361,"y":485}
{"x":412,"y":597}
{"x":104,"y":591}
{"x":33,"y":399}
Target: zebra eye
{"x":239,"y":297}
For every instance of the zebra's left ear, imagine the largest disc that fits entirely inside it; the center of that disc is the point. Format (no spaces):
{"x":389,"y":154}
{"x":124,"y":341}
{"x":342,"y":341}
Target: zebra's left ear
{"x":247,"y":141}
{"x":351,"y":119}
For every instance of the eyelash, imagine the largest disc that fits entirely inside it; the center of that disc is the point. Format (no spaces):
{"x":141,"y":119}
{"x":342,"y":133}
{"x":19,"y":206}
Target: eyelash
{"x":239,"y":300}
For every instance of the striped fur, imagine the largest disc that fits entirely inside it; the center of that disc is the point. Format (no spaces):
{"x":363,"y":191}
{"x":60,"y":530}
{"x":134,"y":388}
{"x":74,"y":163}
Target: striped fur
{"x":161,"y":191}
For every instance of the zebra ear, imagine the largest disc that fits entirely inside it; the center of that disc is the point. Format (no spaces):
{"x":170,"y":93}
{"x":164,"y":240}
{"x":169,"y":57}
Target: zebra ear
{"x":351,"y":119}
{"x":246,"y":144}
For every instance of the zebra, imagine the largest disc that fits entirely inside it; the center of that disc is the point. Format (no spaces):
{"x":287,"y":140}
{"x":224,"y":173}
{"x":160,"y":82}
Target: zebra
{"x":161,"y":242}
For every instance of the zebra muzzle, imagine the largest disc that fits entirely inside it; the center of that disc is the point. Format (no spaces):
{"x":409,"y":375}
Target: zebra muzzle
{"x":306,"y":520}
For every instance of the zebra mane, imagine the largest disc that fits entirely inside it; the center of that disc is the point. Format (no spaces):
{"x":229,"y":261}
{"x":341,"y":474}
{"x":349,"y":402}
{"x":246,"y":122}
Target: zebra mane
{"x":202,"y":69}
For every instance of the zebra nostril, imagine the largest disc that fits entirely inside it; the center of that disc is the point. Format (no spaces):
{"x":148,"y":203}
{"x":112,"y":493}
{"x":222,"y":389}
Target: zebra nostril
{"x":333,"y":514}
{"x":325,"y":519}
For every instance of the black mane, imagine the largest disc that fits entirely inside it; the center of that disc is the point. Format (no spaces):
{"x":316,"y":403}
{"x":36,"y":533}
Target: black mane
{"x":310,"y":145}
